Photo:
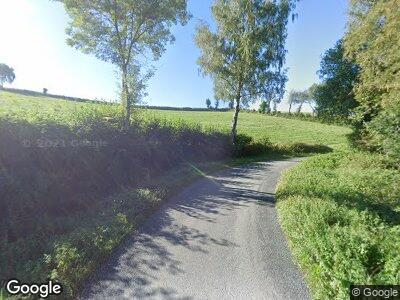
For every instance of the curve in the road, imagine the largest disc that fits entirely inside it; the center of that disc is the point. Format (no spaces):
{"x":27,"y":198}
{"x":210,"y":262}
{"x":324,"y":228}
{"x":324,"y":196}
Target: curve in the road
{"x":217,"y":239}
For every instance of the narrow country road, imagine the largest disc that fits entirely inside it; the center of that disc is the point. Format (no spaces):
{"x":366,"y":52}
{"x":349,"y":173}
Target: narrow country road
{"x":217,"y":239}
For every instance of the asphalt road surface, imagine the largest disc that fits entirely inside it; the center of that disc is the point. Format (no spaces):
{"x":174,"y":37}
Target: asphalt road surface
{"x":217,"y":239}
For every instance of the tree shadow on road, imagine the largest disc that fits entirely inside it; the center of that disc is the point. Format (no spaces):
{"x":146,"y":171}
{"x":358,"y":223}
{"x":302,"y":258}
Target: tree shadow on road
{"x":132,"y":271}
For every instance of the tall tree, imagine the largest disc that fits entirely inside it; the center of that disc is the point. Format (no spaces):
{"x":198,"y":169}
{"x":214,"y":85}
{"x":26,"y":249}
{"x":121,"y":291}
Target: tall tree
{"x":124,"y":32}
{"x":291,"y":103}
{"x":335,"y":97}
{"x":373,"y":42}
{"x":263,"y":107}
{"x":6,"y":74}
{"x":216,"y":104}
{"x":300,"y":98}
{"x":246,"y":53}
{"x":208,"y":103}
{"x":274,"y":105}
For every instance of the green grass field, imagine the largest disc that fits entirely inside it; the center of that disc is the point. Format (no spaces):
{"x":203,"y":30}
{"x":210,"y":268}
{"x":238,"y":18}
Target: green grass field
{"x":279,"y":130}
{"x":33,"y":108}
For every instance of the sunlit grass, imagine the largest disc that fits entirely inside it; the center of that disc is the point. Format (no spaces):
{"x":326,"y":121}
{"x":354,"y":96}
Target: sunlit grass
{"x":341,"y":215}
{"x":278,"y":130}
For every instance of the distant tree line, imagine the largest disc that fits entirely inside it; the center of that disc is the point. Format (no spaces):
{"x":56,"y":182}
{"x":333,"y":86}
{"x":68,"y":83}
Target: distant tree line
{"x":216,"y":104}
{"x":332,"y":99}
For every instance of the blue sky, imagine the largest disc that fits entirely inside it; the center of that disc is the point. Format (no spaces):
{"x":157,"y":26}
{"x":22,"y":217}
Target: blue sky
{"x":33,"y":43}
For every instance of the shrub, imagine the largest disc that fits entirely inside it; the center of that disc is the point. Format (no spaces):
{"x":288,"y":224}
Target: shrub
{"x":385,"y":130}
{"x":340,"y":212}
{"x":259,"y":147}
{"x":302,"y":148}
{"x":242,"y":142}
{"x":373,"y":32}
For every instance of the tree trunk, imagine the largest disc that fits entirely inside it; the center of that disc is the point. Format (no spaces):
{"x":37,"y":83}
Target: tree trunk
{"x":290,"y":108}
{"x":299,"y":108}
{"x":235,"y":119}
{"x":125,"y":97}
{"x":268,"y":108}
{"x":313,"y":110}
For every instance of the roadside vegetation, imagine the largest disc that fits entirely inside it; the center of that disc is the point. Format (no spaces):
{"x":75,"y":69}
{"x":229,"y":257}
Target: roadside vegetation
{"x":75,"y":181}
{"x":340,"y":211}
{"x":60,"y":163}
{"x":341,"y":215}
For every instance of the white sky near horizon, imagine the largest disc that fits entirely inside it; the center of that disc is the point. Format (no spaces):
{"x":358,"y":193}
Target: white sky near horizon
{"x":33,"y":43}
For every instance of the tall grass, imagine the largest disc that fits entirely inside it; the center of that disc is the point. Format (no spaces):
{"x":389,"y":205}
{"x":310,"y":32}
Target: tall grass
{"x":341,"y":214}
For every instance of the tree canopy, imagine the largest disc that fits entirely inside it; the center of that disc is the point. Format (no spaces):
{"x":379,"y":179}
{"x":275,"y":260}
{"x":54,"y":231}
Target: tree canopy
{"x":125,"y":33}
{"x":246,"y":53}
{"x":208,"y":103}
{"x":373,"y":42}
{"x":263,"y":107}
{"x":6,"y":74}
{"x":300,"y":98}
{"x":334,"y":97}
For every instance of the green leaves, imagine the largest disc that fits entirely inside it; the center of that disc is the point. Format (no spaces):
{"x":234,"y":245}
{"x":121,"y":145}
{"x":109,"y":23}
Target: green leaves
{"x":6,"y":74}
{"x":117,"y":30}
{"x":335,"y":97}
{"x":124,"y":32}
{"x":373,"y":42}
{"x":245,"y":54}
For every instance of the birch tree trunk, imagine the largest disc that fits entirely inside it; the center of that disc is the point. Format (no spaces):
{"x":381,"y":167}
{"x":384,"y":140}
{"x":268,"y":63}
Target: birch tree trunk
{"x":235,"y":119}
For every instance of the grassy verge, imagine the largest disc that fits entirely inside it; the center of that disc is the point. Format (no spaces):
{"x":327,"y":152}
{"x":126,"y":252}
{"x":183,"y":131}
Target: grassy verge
{"x":341,"y":215}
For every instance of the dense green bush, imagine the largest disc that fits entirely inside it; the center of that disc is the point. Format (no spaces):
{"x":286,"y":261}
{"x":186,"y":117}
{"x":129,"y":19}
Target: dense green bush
{"x":246,"y":147}
{"x":340,"y":212}
{"x":312,"y":118}
{"x":242,"y":142}
{"x":372,"y":41}
{"x":384,"y":129}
